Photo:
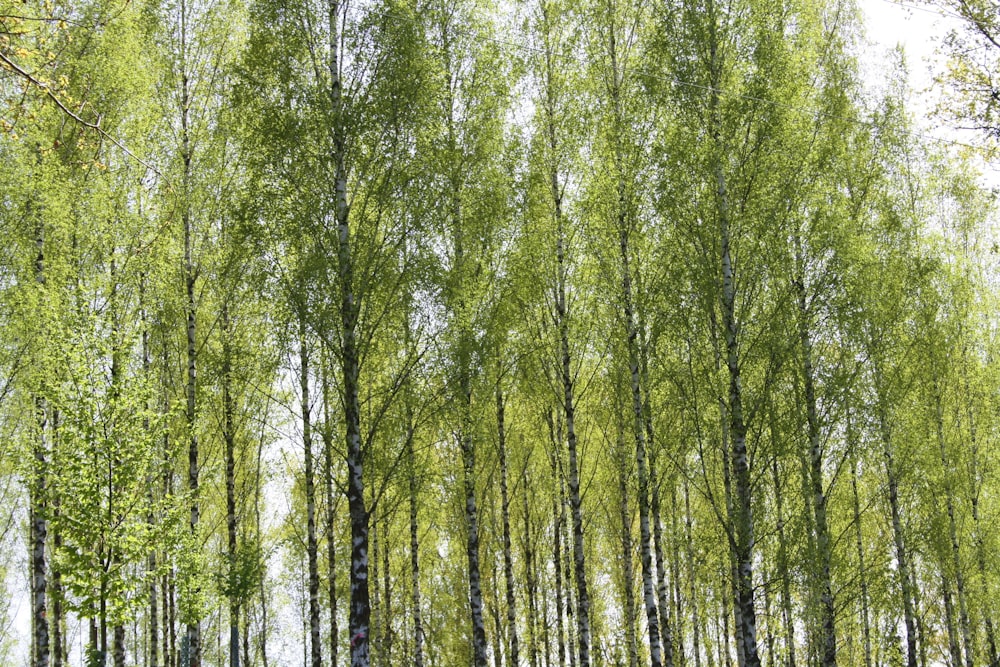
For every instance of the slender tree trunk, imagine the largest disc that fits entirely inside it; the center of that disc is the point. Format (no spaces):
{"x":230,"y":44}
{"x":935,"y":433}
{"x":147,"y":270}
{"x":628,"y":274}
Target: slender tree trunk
{"x":169,"y":633}
{"x":742,"y":517}
{"x":546,"y":643}
{"x":531,"y":580}
{"x":862,"y":572}
{"x":119,"y":645}
{"x":818,"y":492}
{"x":628,"y":569}
{"x":93,"y":647}
{"x":58,"y":612}
{"x":151,"y":482}
{"x":569,"y":409}
{"x":262,"y":591}
{"x":59,"y":653}
{"x":360,"y":612}
{"x":387,"y":633}
{"x":677,"y":628}
{"x":466,"y":439}
{"x":170,"y":611}
{"x":103,"y":612}
{"x":37,"y":502}
{"x":566,"y":375}
{"x":246,"y":635}
{"x":954,"y":650}
{"x":727,"y":484}
{"x":956,"y":555}
{"x":810,"y":612}
{"x":315,"y":646}
{"x":330,"y":528}
{"x":190,"y":279}
{"x":623,"y":222}
{"x":692,"y":575}
{"x":113,"y":562}
{"x":709,"y":656}
{"x":163,"y":639}
{"x":769,"y":635}
{"x":786,"y":594}
{"x":498,"y":629}
{"x":662,"y":594}
{"x":472,"y":520}
{"x":377,"y":615}
{"x":922,"y":640}
{"x":229,"y":437}
{"x":984,"y":572}
{"x":508,"y":562}
{"x":571,"y":640}
{"x":418,"y":629}
{"x":725,"y":657}
{"x":902,"y":559}
{"x":559,"y":519}
{"x":645,"y":536}
{"x":976,"y":483}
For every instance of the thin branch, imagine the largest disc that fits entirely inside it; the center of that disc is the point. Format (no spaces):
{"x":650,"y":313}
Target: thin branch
{"x":93,"y":126}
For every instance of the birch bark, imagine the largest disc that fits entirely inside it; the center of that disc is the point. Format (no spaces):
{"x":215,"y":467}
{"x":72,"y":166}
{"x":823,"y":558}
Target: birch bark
{"x":38,"y":492}
{"x":902,"y":556}
{"x":229,"y":437}
{"x":315,"y":647}
{"x":818,"y":491}
{"x":742,"y":516}
{"x":359,"y":615}
{"x":508,"y":563}
{"x":956,"y":554}
{"x":623,"y":224}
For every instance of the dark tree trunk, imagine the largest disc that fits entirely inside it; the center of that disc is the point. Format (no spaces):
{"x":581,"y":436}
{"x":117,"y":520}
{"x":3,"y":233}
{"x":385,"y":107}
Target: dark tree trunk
{"x":628,"y":568}
{"x":229,"y":437}
{"x":151,"y":482}
{"x":862,"y":572}
{"x":387,"y":615}
{"x":190,"y":279}
{"x":508,"y":561}
{"x":692,"y":575}
{"x":418,"y":629}
{"x":472,"y":526}
{"x":639,"y":431}
{"x":975,"y":476}
{"x":741,"y":518}
{"x":531,"y":580}
{"x":58,"y":611}
{"x":824,"y":548}
{"x":558,"y":520}
{"x":37,"y":503}
{"x":954,"y":651}
{"x":359,"y":616}
{"x":956,"y":554}
{"x":315,"y":647}
{"x":119,"y":646}
{"x":902,"y":556}
{"x":330,"y":528}
{"x":787,"y":618}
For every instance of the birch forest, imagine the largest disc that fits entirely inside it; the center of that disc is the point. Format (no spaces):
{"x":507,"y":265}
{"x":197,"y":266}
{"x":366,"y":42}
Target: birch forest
{"x":466,"y":333}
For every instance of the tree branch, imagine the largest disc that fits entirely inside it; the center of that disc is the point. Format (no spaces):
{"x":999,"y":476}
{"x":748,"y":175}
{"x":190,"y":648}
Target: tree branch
{"x":14,"y":67}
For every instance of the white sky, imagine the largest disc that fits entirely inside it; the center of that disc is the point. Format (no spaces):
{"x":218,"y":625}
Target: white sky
{"x":919,"y":29}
